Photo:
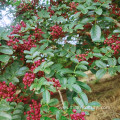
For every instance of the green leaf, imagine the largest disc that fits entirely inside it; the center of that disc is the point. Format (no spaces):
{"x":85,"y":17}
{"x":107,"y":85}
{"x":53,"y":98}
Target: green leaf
{"x":58,"y":115}
{"x":98,"y":11}
{"x":45,"y":118}
{"x":16,"y":117}
{"x":18,"y":112}
{"x":5,"y":115}
{"x":53,"y":102}
{"x":71,"y":80}
{"x":6,"y":50}
{"x":69,"y":55}
{"x":20,"y":106}
{"x":65,"y":105}
{"x":22,"y":71}
{"x":95,"y":33}
{"x":63,"y":82}
{"x":80,"y":73}
{"x":65,"y":71}
{"x":84,"y":62}
{"x":35,"y":54}
{"x":47,"y":70}
{"x":51,"y":88}
{"x":82,"y":8}
{"x":118,"y":68}
{"x":108,"y":19}
{"x":84,"y":86}
{"x":100,"y":64}
{"x":13,"y":104}
{"x":116,"y":119}
{"x":112,"y":61}
{"x":34,"y":85}
{"x":73,"y":49}
{"x":48,"y":64}
{"x":76,"y":88}
{"x":116,"y":31}
{"x":46,"y":96}
{"x":15,"y":79}
{"x":98,"y":55}
{"x":79,"y":26}
{"x":63,"y":53}
{"x":79,"y":102}
{"x":4,"y":58}
{"x":100,"y":73}
{"x":82,"y":67}
{"x":75,"y":60}
{"x":4,"y":107}
{"x":119,"y":60}
{"x":41,"y":82}
{"x":78,"y":51}
{"x":112,"y":70}
{"x":84,"y":98}
{"x":28,"y":57}
{"x":94,"y":104}
{"x":27,"y":52}
{"x":54,"y":110}
{"x":70,"y":96}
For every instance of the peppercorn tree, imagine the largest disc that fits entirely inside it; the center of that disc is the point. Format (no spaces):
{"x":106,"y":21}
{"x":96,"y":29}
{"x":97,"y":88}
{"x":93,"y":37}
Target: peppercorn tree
{"x":50,"y":47}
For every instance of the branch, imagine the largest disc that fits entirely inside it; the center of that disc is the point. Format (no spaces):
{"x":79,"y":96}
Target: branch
{"x":115,"y":21}
{"x":83,"y":33}
{"x":61,"y":98}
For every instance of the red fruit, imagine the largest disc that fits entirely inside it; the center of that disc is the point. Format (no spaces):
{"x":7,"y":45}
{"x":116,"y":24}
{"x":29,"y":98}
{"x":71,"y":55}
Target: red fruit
{"x":83,"y":113}
{"x":74,"y":110}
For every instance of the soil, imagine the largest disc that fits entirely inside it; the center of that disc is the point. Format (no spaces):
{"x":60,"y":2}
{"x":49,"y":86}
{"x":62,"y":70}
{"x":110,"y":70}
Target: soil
{"x":106,"y":92}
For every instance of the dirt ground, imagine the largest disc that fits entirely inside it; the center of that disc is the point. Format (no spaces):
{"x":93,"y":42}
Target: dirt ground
{"x":107,"y":93}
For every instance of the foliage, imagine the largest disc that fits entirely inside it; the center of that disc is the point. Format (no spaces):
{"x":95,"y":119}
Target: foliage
{"x":51,"y":47}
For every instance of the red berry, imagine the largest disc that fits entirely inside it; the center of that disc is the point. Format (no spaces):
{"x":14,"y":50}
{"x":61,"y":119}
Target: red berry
{"x":74,"y":110}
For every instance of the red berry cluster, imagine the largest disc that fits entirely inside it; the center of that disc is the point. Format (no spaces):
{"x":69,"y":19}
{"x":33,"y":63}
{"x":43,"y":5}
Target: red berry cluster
{"x":34,"y":112}
{"x":114,"y":9}
{"x":35,"y":65}
{"x":17,"y":98}
{"x":54,"y":2}
{"x":7,"y":91}
{"x":81,"y":57}
{"x":96,"y":0}
{"x":91,"y":60}
{"x":73,"y":6}
{"x":51,"y":11}
{"x":56,"y":83}
{"x":38,"y":34}
{"x":106,"y":32}
{"x":65,"y":15}
{"x":28,"y":79}
{"x":77,"y":116}
{"x":16,"y":29}
{"x":28,"y":43}
{"x":23,"y":7}
{"x":87,"y":26}
{"x":56,"y":32}
{"x":114,"y":43}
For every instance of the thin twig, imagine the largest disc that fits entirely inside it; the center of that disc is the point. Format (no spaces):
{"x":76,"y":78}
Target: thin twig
{"x":61,"y":98}
{"x":115,"y":21}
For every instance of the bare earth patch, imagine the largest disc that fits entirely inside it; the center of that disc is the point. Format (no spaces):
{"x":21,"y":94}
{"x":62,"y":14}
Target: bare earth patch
{"x":107,"y":92}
